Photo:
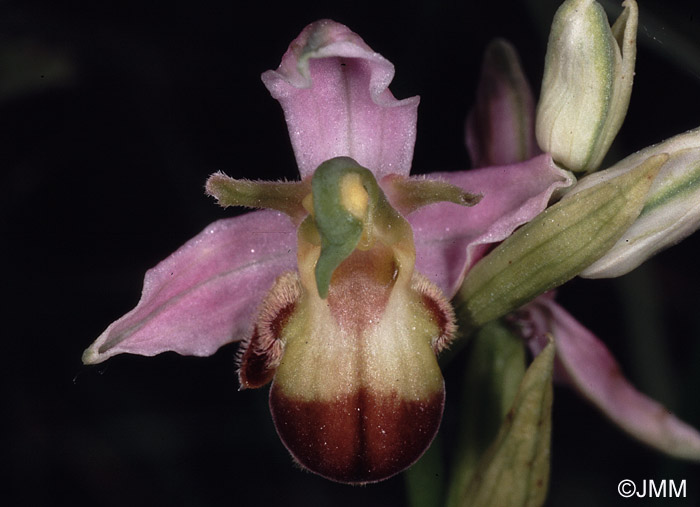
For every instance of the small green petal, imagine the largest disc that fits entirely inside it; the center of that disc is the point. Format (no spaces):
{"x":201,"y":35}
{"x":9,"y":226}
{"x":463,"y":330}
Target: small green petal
{"x":410,"y":194}
{"x":515,"y":469}
{"x":284,"y":196}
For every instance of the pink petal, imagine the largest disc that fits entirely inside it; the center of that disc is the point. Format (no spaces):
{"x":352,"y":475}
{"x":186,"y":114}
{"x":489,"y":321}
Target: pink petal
{"x":334,"y":92}
{"x":501,"y":125}
{"x":592,"y":370}
{"x":450,"y":238}
{"x":206,"y":293}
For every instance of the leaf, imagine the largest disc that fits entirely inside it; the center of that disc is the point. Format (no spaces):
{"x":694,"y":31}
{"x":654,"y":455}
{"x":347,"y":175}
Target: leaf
{"x":515,"y":469}
{"x":425,"y":480}
{"x":494,"y":370}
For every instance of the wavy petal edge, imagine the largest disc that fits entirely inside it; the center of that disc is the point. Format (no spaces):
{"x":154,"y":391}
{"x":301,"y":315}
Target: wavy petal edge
{"x":334,"y":90}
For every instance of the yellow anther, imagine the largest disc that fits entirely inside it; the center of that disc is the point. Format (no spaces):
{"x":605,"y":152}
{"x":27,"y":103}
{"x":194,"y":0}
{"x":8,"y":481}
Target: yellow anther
{"x":353,"y":196}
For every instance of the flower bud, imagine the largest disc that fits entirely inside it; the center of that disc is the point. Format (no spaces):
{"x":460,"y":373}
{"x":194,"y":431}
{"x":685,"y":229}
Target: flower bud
{"x":587,"y":83}
{"x":500,"y":127}
{"x":671,"y":210}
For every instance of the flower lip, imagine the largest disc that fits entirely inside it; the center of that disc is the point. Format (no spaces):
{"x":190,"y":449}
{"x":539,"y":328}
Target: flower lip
{"x":358,"y":395}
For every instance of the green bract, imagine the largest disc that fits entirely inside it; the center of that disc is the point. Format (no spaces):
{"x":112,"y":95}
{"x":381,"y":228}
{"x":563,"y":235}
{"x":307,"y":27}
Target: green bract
{"x":493,"y":374}
{"x":556,"y":246}
{"x":515,"y":469}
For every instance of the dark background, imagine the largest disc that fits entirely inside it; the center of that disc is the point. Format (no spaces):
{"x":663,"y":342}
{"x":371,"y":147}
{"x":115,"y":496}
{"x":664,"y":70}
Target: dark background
{"x":113,"y":114}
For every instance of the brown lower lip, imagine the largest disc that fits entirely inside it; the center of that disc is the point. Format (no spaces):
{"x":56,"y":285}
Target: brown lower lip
{"x":359,"y":438}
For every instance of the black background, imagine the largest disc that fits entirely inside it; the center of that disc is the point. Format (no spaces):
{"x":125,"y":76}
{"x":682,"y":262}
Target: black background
{"x":112,"y":115}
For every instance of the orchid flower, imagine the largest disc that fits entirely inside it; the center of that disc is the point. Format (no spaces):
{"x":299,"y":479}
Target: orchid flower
{"x":339,"y":292}
{"x":505,"y":104}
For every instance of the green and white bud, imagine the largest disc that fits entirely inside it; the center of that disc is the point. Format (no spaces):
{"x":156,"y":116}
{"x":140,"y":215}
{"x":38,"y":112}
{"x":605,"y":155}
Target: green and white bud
{"x":589,"y":69}
{"x":671,"y":210}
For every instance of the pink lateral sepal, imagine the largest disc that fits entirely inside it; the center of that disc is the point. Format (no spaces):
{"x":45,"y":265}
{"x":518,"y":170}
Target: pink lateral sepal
{"x":588,"y":366}
{"x":206,"y":294}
